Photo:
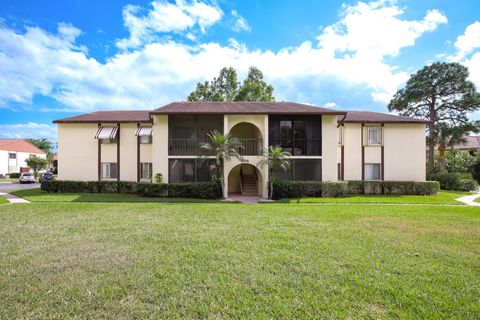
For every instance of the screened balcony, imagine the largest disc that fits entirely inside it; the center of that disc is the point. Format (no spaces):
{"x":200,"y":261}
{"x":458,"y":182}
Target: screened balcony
{"x":298,"y":135}
{"x":187,"y":132}
{"x":250,"y":138}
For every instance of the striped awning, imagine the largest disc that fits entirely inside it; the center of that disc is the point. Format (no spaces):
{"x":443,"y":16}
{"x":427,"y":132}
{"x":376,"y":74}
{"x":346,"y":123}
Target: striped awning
{"x":143,"y":131}
{"x":106,"y":133}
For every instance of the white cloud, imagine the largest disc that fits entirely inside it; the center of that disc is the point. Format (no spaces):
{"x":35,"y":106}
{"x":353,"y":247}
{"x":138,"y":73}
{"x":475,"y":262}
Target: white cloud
{"x":28,"y":130}
{"x":469,"y":41}
{"x":468,"y":51}
{"x":165,"y":17}
{"x":240,"y":23}
{"x":351,"y":54}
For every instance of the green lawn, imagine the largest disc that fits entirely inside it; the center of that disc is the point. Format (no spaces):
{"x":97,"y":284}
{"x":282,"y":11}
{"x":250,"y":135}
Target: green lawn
{"x":442,"y":197}
{"x":3,"y":200}
{"x":117,"y":260}
{"x":37,"y":195}
{"x":9,"y":180}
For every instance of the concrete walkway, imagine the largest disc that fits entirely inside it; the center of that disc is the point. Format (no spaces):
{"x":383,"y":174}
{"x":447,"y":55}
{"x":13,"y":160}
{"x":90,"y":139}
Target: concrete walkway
{"x":469,"y":200}
{"x":13,"y":199}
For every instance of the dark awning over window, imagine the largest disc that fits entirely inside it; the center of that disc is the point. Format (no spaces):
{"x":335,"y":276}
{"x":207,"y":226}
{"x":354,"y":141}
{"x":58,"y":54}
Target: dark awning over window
{"x":106,"y":133}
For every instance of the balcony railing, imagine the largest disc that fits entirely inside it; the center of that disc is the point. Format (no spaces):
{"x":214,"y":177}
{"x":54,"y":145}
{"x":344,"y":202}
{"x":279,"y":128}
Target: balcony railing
{"x":300,"y":147}
{"x":191,"y":147}
{"x":251,"y":147}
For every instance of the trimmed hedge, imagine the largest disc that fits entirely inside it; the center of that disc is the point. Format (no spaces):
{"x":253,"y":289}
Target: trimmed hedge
{"x":202,"y":190}
{"x":301,"y":189}
{"x":14,"y":175}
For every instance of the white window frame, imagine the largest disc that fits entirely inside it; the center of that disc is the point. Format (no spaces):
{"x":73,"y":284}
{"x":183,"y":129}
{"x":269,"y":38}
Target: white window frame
{"x":148,"y":166}
{"x":106,"y":171}
{"x":372,"y":142}
{"x":145,"y":139}
{"x":370,"y":173}
{"x":340,"y":135}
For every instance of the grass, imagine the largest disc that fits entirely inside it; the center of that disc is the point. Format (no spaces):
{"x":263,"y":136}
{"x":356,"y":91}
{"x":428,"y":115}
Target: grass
{"x":37,"y":195}
{"x":442,"y":197}
{"x":9,"y":180}
{"x":3,"y":200}
{"x":115,"y":260}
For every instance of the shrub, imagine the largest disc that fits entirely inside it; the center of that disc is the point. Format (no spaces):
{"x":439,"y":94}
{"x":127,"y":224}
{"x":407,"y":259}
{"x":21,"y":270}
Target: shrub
{"x":410,"y":187}
{"x":14,"y":175}
{"x":334,"y":189}
{"x":158,"y":178}
{"x":454,"y":181}
{"x":146,"y":189}
{"x":202,"y":190}
{"x":355,"y":187}
{"x":300,"y":189}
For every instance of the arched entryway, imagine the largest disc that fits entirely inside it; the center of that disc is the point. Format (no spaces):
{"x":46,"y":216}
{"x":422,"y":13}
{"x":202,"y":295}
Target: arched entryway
{"x":250,"y":137}
{"x":244,"y":180}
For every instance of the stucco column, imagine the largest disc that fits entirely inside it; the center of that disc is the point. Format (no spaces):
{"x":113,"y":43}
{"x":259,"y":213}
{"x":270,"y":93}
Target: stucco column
{"x":329,"y":148}
{"x":160,"y":146}
{"x":226,"y":129}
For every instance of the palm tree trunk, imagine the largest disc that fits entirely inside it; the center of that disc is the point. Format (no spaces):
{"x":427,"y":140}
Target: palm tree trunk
{"x":441,"y":158}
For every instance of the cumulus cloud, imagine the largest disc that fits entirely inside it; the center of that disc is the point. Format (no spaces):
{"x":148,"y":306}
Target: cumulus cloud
{"x":28,"y":130}
{"x":240,"y":23}
{"x":349,"y":54}
{"x":468,"y":51}
{"x":165,"y":17}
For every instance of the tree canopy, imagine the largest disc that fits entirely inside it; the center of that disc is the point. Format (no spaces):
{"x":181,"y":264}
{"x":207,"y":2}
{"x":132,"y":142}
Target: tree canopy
{"x":439,"y":93}
{"x":36,"y":164}
{"x":226,"y":87}
{"x":43,"y":144}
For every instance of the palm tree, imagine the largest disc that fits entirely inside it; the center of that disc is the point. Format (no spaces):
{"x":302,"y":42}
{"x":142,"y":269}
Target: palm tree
{"x":448,"y":136}
{"x":276,"y":159}
{"x":222,"y":147}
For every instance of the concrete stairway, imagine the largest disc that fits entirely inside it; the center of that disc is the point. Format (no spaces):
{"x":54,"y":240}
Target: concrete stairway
{"x":249,"y":185}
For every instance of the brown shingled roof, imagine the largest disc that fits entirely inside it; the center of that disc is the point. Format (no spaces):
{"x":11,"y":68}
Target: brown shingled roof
{"x":472,"y":143}
{"x":376,"y":117}
{"x":109,"y":116}
{"x":243,"y":108}
{"x":19,"y":145}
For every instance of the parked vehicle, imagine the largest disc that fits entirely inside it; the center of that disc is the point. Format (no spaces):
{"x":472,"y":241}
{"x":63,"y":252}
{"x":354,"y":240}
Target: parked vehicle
{"x":46,"y":176}
{"x":27,"y":177}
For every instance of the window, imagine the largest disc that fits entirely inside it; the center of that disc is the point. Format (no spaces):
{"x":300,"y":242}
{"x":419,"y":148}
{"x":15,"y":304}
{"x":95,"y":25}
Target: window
{"x":109,"y":170}
{"x":374,"y":135}
{"x":297,"y":135}
{"x":372,"y":171}
{"x":302,"y":170}
{"x":340,"y":135}
{"x":32,"y":156}
{"x":191,"y":170}
{"x":145,"y":139}
{"x":146,"y":170}
{"x":108,"y":141}
{"x":12,"y":155}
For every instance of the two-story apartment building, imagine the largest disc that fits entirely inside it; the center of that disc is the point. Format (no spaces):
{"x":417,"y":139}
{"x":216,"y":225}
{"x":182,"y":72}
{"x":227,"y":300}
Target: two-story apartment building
{"x":325,"y":144}
{"x":14,"y":153}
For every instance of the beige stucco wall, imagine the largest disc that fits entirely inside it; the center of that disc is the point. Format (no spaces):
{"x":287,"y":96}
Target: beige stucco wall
{"x":77,"y":152}
{"x":373,"y":154}
{"x":404,"y":152}
{"x":146,"y":153}
{"x":329,"y":148}
{"x":160,"y":146}
{"x":352,"y":142}
{"x":128,"y":152}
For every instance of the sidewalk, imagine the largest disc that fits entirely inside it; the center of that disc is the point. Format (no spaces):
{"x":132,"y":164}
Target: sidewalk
{"x":13,"y":199}
{"x":469,"y":200}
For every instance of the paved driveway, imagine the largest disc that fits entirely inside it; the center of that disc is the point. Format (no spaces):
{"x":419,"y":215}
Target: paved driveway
{"x":10,"y":186}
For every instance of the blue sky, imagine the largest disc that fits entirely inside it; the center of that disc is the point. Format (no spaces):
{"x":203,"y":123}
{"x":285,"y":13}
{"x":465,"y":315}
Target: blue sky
{"x":61,"y":58}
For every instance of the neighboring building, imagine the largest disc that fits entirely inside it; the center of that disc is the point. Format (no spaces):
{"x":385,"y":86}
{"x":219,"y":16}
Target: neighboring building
{"x":134,"y":145}
{"x":14,"y":152}
{"x":471,"y":145}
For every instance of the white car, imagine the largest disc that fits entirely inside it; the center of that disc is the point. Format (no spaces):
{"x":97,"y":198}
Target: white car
{"x":26,"y":177}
